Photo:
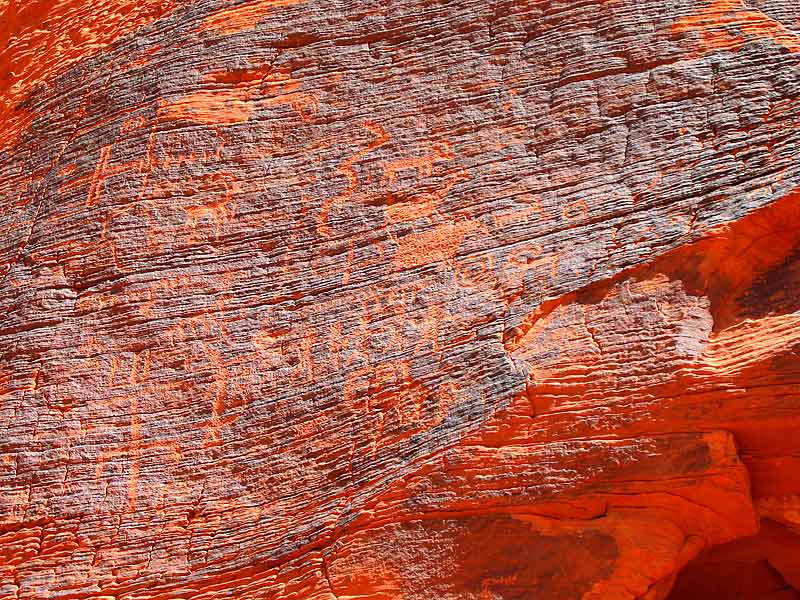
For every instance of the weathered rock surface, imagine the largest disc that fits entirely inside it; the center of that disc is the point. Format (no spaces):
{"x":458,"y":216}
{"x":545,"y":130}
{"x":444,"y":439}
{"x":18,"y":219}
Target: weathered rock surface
{"x":420,"y":299}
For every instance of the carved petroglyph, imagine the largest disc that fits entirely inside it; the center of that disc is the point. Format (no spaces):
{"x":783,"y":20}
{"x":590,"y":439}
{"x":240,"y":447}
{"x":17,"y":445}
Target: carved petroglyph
{"x":575,"y":211}
{"x":477,"y":272}
{"x":102,"y":171}
{"x":395,"y":404}
{"x":215,"y":395}
{"x":347,"y":169}
{"x":532,"y":210}
{"x":422,"y":204}
{"x":213,"y":194}
{"x":287,"y":355}
{"x":216,"y":211}
{"x":135,"y":384}
{"x":400,"y":204}
{"x":423,"y":165}
{"x":143,"y":299}
{"x":132,"y":124}
{"x":201,"y":341}
{"x":202,"y":326}
{"x":410,"y":205}
{"x":99,"y":176}
{"x":136,"y":373}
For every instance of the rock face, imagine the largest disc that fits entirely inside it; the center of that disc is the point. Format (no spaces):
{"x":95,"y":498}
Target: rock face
{"x":419,"y":299}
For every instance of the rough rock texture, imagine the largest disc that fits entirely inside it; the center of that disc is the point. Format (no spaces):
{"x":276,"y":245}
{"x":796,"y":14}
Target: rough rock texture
{"x":418,"y":299}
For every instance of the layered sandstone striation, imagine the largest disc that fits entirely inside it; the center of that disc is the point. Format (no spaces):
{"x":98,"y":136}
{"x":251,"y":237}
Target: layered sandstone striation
{"x":421,"y":299}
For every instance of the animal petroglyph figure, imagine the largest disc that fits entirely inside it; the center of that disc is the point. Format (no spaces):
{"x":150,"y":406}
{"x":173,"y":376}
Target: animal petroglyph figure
{"x":441,"y":152}
{"x":397,"y":405}
{"x":348,"y":171}
{"x":216,"y":211}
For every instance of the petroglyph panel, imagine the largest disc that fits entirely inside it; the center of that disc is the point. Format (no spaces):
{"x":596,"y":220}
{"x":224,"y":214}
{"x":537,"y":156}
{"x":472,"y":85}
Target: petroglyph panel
{"x":295,"y":295}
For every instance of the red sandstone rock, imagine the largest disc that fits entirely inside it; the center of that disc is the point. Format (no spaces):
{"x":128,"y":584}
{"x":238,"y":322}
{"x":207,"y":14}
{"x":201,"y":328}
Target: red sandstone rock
{"x":467,"y":299}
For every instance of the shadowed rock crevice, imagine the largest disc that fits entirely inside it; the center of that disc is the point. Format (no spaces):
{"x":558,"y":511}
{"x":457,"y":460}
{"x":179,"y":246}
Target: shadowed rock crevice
{"x":764,"y":566}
